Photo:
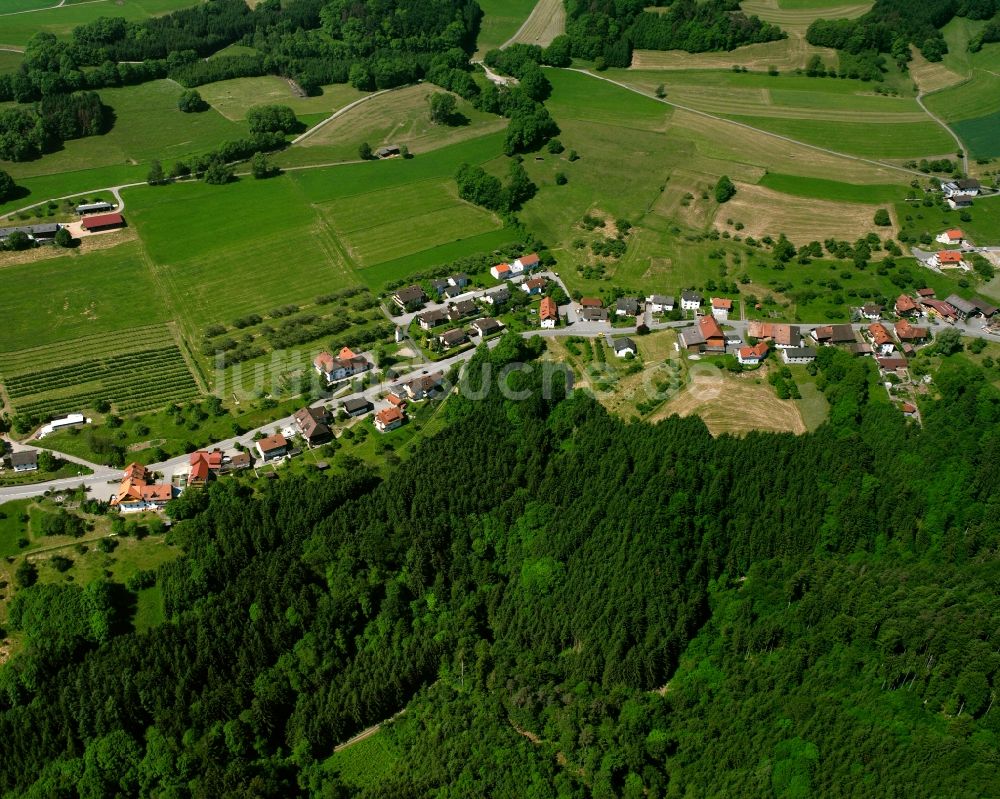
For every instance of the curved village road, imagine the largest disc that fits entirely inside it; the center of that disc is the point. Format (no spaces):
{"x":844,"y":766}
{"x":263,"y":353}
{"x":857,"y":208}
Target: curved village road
{"x":101,"y":483}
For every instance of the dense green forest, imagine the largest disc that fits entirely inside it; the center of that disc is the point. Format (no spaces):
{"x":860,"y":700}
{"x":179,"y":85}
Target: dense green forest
{"x":568,"y":604}
{"x":609,"y":29}
{"x":893,"y":25}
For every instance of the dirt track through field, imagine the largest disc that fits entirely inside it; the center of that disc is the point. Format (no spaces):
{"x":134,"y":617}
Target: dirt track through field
{"x":546,"y":21}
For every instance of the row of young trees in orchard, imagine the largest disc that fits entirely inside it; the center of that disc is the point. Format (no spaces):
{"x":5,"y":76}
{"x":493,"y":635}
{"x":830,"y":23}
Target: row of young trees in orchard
{"x":821,"y":609}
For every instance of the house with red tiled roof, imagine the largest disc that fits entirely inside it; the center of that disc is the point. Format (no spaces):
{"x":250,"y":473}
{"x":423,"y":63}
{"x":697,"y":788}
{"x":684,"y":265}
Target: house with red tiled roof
{"x":948,"y":259}
{"x":591,"y":302}
{"x":925,"y":293}
{"x":339,"y":368}
{"x":952,"y":237}
{"x":909,"y":409}
{"x":752,"y":356}
{"x":102,"y":222}
{"x":548,"y":312}
{"x":526,"y":263}
{"x":906,"y":306}
{"x":941,"y":308}
{"x":203,"y":465}
{"x":138,"y":492}
{"x":501,"y":271}
{"x":721,"y":308}
{"x":272,"y":447}
{"x":907,"y":332}
{"x":882,"y":342}
{"x":389,"y":419}
{"x":705,"y":336}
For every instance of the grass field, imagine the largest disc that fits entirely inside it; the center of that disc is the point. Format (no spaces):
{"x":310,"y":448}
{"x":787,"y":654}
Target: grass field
{"x":147,"y":125}
{"x":734,"y":404}
{"x":818,"y":188}
{"x":398,"y":117}
{"x":784,"y":55}
{"x":17,"y":29}
{"x":764,"y":211}
{"x":546,"y":21}
{"x":232,"y":98}
{"x":980,"y":135}
{"x":501,"y":19}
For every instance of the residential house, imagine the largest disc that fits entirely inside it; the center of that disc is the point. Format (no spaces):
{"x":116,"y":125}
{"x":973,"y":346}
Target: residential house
{"x":462,"y":309}
{"x":891,"y":363}
{"x":202,"y":465}
{"x":956,"y":201}
{"x":798,"y":355}
{"x":395,"y":400}
{"x":548,"y":312}
{"x":424,"y":386}
{"x":24,"y":461}
{"x":332,"y":369}
{"x":136,"y":491}
{"x":706,"y":336}
{"x":358,"y":406}
{"x":660,"y":303}
{"x":871,"y":312}
{"x":859,"y":348}
{"x":627,"y":306}
{"x":948,"y":259}
{"x":526,"y":263}
{"x":906,"y":306}
{"x":594,"y":315}
{"x":535,"y":285}
{"x":486,"y":326}
{"x":953,"y":237}
{"x":409,"y":298}
{"x":623,"y":347}
{"x":453,"y":291}
{"x":501,"y":271}
{"x":963,"y":308}
{"x":909,"y":410}
{"x":752,"y":356}
{"x":238,"y":462}
{"x":312,"y":424}
{"x":834,"y":334}
{"x":690,"y":301}
{"x":272,"y":447}
{"x":882,"y":341}
{"x":966,"y":187}
{"x":428,"y":320}
{"x":459,"y":280}
{"x":721,"y":308}
{"x":452,"y":338}
{"x":906,"y":332}
{"x":440,"y":285}
{"x":591,"y":302}
{"x":497,"y":296}
{"x":389,"y":419}
{"x":786,"y":336}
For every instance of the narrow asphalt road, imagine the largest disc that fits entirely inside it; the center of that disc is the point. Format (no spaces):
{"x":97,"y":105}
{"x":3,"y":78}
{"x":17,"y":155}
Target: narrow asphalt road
{"x":943,"y":124}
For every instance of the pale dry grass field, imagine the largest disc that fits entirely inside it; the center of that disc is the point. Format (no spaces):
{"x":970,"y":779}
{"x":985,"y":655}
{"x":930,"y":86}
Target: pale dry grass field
{"x":931,"y":77}
{"x":764,"y":212}
{"x":547,"y":20}
{"x":733,"y":404}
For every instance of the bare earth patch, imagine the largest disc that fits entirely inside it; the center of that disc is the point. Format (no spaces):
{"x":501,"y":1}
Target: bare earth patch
{"x":734,"y":404}
{"x":764,"y":212}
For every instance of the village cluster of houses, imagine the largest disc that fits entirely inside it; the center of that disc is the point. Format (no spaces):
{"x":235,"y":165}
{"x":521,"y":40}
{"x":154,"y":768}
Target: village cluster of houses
{"x":139,"y":491}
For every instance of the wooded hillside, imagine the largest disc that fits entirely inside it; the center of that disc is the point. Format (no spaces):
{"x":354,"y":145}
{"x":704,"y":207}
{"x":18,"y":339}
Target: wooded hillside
{"x":570,"y":605}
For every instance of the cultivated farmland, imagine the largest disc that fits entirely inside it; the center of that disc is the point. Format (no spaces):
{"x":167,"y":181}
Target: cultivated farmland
{"x":135,"y":370}
{"x":546,"y":21}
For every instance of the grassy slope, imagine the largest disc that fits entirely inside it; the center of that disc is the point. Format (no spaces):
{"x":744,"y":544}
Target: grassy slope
{"x":17,"y":29}
{"x":501,"y":19}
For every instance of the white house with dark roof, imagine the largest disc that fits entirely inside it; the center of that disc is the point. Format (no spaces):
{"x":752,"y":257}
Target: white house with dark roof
{"x":690,"y":301}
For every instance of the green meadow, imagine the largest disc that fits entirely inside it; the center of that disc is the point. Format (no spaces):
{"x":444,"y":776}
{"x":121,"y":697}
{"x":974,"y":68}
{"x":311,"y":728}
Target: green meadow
{"x":501,"y":20}
{"x":831,"y":189}
{"x":17,"y":29}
